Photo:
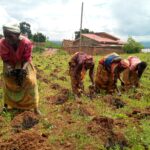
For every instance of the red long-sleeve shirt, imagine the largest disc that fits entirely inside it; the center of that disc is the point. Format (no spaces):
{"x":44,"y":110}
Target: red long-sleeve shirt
{"x":22,"y":54}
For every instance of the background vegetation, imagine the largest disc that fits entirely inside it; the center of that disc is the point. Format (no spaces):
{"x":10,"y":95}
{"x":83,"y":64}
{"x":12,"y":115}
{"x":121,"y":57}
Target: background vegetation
{"x":132,"y":46}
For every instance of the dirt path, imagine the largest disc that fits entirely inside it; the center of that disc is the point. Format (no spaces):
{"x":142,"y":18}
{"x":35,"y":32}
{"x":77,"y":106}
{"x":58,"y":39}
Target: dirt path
{"x":49,"y":51}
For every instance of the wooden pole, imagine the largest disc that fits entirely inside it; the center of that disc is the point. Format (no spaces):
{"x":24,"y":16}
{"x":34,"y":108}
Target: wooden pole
{"x":81,"y":26}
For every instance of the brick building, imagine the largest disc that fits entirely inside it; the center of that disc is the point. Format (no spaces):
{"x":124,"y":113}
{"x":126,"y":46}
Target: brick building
{"x":94,"y":43}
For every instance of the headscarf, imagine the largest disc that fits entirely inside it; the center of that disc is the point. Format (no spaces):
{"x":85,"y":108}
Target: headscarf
{"x":88,"y":58}
{"x":15,"y":28}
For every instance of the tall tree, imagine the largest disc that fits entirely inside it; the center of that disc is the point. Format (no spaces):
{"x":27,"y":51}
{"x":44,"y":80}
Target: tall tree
{"x":26,"y":29}
{"x":132,"y":46}
{"x":39,"y":37}
{"x":85,"y":30}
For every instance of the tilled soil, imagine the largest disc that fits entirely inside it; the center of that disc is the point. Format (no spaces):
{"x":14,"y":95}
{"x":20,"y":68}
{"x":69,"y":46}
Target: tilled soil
{"x":24,"y":121}
{"x":53,"y":75}
{"x":61,"y":98}
{"x":27,"y":140}
{"x":103,"y":128}
{"x":115,"y":102}
{"x":84,"y":109}
{"x":139,"y":114}
{"x":55,"y":86}
{"x":136,"y":96}
{"x":63,"y":78}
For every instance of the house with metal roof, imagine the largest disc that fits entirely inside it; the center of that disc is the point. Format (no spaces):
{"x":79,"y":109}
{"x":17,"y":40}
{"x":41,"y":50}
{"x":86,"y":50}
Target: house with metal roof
{"x":96,"y":43}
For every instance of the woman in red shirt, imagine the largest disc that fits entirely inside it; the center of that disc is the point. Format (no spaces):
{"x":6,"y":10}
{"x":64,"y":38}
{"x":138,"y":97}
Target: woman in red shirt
{"x":19,"y":74}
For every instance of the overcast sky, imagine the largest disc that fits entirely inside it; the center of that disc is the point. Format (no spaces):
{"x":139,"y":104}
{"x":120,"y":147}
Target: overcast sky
{"x":59,"y":19}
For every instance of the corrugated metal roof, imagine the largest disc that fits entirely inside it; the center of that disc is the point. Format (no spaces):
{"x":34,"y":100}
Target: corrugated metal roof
{"x":100,"y":39}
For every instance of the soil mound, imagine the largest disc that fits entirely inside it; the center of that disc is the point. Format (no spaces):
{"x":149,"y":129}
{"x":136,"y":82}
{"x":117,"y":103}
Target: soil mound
{"x":56,"y":70}
{"x":139,"y":114}
{"x":137,"y":96}
{"x":53,"y":75}
{"x":55,"y":86}
{"x":45,"y":80}
{"x":24,"y":121}
{"x":120,"y":123}
{"x":63,"y":78}
{"x":86,"y":111}
{"x":116,"y":102}
{"x":60,"y":98}
{"x":25,"y":141}
{"x":103,"y":128}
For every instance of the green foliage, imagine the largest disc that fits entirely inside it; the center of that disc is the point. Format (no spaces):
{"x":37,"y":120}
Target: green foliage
{"x":25,"y":29}
{"x":38,"y":49}
{"x":39,"y":37}
{"x":132,"y":46}
{"x":61,"y":52}
{"x":77,"y":33}
{"x":50,"y":44}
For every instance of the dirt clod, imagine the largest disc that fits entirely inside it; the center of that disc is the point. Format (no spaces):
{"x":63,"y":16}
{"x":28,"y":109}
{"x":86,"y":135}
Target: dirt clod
{"x":137,"y":96}
{"x":45,"y":80}
{"x":63,"y":78}
{"x":86,"y":111}
{"x":24,"y":121}
{"x":25,"y":141}
{"x":60,"y":99}
{"x":53,"y":75}
{"x":116,"y":102}
{"x":57,"y":100}
{"x":103,"y":128}
{"x":55,"y":86}
{"x":139,"y":114}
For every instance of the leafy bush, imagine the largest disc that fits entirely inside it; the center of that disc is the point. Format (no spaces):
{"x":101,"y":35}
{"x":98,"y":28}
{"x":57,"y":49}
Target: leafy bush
{"x":26,"y":29}
{"x":50,"y":44}
{"x":39,"y":37}
{"x":132,"y":46}
{"x":38,"y":49}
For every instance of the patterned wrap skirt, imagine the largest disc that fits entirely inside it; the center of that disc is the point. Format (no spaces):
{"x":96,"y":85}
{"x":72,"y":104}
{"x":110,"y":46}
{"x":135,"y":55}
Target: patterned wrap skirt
{"x":21,"y":97}
{"x":104,"y":79}
{"x":130,"y":78}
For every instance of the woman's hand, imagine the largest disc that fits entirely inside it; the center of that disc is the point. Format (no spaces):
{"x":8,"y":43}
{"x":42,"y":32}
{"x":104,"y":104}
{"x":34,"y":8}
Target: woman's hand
{"x":9,"y":70}
{"x":25,"y":65}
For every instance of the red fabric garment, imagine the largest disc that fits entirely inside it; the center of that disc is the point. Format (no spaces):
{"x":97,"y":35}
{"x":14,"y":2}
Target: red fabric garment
{"x":112,"y":67}
{"x":82,"y":58}
{"x":22,"y":54}
{"x":133,"y":60}
{"x":101,"y":61}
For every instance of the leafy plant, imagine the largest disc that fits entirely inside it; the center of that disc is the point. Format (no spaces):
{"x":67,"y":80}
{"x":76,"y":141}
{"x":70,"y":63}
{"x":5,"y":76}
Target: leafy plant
{"x":39,"y":37}
{"x":132,"y":46}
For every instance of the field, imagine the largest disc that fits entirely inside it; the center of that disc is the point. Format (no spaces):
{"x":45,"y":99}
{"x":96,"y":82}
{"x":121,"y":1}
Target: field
{"x":105,"y":122}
